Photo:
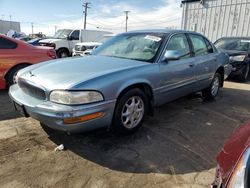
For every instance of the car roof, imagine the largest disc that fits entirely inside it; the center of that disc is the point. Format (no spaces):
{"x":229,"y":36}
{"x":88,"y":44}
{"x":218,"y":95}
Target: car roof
{"x":164,"y":31}
{"x":247,"y":38}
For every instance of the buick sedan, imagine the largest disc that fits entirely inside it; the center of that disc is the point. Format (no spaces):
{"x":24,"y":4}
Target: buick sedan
{"x":121,"y":82}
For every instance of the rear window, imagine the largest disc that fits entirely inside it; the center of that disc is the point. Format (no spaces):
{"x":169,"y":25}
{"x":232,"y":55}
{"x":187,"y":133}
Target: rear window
{"x":7,"y":44}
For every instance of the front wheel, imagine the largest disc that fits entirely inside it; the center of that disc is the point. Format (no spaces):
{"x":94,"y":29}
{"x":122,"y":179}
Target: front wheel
{"x":62,"y":53}
{"x":212,"y":91}
{"x":130,"y":111}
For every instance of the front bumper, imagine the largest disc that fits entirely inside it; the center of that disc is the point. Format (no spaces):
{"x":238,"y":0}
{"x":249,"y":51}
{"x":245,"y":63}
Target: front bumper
{"x":78,"y":53}
{"x":2,"y":84}
{"x":238,"y":68}
{"x":53,"y":115}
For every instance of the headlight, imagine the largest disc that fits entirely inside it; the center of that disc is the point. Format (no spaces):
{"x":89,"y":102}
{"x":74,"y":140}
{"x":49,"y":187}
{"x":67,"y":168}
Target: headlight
{"x":237,"y":58}
{"x":237,"y":179}
{"x":75,"y":97}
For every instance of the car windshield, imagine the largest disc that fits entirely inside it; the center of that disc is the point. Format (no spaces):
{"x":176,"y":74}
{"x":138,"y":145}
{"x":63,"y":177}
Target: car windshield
{"x":103,"y":39}
{"x":137,"y":46}
{"x":62,"y":34}
{"x":233,"y":44}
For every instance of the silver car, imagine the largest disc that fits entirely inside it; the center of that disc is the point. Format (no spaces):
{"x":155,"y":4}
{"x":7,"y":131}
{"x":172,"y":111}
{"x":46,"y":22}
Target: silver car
{"x":121,"y":81}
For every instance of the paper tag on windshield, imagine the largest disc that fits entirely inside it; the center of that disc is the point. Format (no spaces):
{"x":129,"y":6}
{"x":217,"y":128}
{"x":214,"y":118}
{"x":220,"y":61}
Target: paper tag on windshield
{"x":245,"y":41}
{"x":153,"y":38}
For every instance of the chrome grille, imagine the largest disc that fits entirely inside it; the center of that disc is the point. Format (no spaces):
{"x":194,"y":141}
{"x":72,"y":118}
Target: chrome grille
{"x":80,"y":48}
{"x":31,"y":90}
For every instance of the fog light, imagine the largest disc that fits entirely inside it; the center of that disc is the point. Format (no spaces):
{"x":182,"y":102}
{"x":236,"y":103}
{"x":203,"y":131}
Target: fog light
{"x":83,"y":118}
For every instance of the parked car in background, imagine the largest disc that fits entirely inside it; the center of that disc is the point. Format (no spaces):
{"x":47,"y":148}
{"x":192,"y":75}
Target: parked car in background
{"x":64,"y":40}
{"x":24,"y":38}
{"x":15,"y":55}
{"x":35,"y":41}
{"x":233,"y":169}
{"x":85,"y":48}
{"x":238,"y":48}
{"x":121,"y":81}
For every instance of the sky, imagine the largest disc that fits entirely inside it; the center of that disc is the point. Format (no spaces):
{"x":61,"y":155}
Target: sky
{"x":48,"y":15}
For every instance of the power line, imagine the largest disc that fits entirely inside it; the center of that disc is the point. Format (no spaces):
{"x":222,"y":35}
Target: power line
{"x":85,"y":5}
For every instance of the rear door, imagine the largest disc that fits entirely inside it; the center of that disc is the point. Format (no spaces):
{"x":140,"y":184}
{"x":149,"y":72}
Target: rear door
{"x":177,"y":76}
{"x":205,"y":60}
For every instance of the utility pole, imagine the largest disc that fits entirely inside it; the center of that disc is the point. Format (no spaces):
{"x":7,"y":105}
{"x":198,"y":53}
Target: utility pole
{"x":86,"y":6}
{"x":32,"y":28}
{"x":55,"y":28}
{"x":126,"y":26}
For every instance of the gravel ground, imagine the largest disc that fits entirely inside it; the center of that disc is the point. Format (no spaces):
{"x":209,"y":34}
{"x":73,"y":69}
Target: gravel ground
{"x":175,"y":148}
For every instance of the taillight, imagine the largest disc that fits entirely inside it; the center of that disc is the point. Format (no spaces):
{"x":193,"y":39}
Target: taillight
{"x":51,"y":53}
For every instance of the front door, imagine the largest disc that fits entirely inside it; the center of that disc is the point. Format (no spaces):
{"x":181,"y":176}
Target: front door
{"x":74,"y":38}
{"x":177,"y":76}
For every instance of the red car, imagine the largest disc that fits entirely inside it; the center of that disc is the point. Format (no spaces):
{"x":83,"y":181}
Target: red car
{"x":233,"y":168}
{"x":16,"y":54}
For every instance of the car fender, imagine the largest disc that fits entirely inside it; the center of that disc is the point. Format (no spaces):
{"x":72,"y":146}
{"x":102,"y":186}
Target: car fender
{"x":130,"y":83}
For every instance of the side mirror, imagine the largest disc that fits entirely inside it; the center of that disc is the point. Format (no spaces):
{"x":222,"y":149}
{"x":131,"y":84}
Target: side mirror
{"x":172,"y":55}
{"x":69,"y":37}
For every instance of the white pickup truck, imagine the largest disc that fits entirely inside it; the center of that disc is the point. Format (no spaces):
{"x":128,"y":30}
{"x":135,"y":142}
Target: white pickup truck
{"x":64,"y":40}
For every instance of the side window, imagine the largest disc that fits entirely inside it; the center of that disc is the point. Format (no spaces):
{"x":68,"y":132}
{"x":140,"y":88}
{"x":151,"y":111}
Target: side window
{"x":75,"y":35}
{"x":7,"y":44}
{"x":209,"y":46}
{"x":179,"y":43}
{"x":200,"y":47}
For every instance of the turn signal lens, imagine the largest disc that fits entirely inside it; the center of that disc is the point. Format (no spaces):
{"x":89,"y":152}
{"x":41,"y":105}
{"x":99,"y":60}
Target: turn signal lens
{"x":83,"y":118}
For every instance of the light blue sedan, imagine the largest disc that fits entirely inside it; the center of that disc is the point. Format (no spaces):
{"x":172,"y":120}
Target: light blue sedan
{"x":121,"y":81}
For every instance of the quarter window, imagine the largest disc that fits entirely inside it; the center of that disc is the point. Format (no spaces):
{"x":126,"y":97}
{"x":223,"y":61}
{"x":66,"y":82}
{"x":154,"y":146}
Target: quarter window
{"x":179,"y":43}
{"x":7,"y":44}
{"x":200,"y":47}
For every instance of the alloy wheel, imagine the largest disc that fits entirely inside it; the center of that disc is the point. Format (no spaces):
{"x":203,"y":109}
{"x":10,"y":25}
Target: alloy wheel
{"x":132,"y":112}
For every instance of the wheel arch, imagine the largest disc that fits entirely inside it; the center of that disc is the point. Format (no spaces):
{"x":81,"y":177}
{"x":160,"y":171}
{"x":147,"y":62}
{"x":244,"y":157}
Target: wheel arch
{"x":13,"y":67}
{"x":221,"y":71}
{"x":63,"y":48}
{"x":146,"y":88}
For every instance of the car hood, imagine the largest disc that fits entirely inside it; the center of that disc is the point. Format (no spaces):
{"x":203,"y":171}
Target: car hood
{"x":49,"y":40}
{"x":67,"y":73}
{"x":234,"y":52}
{"x":235,"y":146}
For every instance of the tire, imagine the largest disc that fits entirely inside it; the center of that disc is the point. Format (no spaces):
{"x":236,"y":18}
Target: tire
{"x":125,"y":112}
{"x":245,"y":73}
{"x":212,"y":91}
{"x":10,"y":78}
{"x":62,"y":53}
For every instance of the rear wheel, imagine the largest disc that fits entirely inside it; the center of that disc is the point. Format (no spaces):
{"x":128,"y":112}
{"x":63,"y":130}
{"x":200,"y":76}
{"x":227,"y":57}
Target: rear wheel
{"x":130,"y":111}
{"x":11,"y":76}
{"x":212,"y":91}
{"x":245,"y":73}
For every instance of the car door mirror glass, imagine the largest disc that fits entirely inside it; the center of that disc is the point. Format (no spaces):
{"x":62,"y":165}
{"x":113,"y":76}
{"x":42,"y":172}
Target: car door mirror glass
{"x":172,"y":55}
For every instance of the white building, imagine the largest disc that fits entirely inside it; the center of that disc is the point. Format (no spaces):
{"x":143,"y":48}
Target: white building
{"x":5,"y":26}
{"x":217,"y":18}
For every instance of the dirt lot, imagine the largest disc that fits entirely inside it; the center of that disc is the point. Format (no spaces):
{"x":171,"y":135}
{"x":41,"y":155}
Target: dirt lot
{"x":175,"y":148}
